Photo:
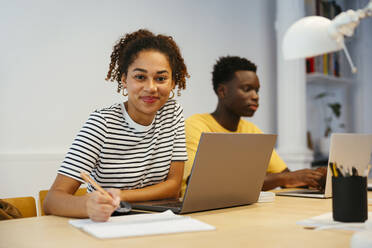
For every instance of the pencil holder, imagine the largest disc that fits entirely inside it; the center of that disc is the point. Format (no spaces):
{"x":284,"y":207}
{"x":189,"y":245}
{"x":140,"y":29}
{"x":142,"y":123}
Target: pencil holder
{"x":349,"y":202}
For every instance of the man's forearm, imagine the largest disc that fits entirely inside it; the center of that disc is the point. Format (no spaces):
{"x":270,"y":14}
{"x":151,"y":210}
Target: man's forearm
{"x":273,"y":180}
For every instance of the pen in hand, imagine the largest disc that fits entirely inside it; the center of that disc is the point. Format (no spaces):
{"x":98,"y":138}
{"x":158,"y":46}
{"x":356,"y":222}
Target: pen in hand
{"x":94,"y":184}
{"x":92,"y":212}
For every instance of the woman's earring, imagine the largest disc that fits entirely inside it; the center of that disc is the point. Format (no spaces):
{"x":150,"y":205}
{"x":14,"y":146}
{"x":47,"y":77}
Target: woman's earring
{"x":172,"y":96}
{"x":121,"y":87}
{"x":125,"y":94}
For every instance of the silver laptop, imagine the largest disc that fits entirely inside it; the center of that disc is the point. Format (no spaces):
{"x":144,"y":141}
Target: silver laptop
{"x":347,"y":149}
{"x":228,"y":170}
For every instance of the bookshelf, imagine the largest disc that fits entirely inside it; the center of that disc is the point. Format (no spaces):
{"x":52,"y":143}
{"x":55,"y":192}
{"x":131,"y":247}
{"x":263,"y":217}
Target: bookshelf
{"x":330,"y":63}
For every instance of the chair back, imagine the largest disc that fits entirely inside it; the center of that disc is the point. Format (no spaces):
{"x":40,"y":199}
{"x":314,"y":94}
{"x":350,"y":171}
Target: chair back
{"x":26,"y":205}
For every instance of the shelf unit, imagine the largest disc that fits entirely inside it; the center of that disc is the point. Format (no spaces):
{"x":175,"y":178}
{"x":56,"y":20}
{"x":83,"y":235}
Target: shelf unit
{"x":320,"y":78}
{"x":338,"y":89}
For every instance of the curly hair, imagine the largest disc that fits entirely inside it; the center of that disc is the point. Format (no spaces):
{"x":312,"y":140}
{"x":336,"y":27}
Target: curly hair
{"x":224,"y":69}
{"x":130,"y":45}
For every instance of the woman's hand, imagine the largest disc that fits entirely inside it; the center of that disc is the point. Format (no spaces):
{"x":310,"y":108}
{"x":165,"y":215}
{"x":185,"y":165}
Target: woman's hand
{"x":99,"y":207}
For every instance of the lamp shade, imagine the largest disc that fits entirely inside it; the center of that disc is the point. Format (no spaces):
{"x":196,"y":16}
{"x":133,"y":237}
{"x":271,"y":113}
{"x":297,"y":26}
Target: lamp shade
{"x":309,"y":37}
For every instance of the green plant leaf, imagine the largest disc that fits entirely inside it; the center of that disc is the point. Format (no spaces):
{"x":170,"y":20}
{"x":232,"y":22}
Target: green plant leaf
{"x":321,"y":95}
{"x":336,"y":108}
{"x":327,"y":131}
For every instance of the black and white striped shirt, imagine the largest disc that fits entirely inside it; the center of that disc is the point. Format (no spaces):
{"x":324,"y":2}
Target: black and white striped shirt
{"x":119,"y":153}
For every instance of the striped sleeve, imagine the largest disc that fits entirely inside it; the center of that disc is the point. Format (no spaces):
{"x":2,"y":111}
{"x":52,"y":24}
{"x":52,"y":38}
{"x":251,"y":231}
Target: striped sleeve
{"x":179,"y":149}
{"x":84,"y":152}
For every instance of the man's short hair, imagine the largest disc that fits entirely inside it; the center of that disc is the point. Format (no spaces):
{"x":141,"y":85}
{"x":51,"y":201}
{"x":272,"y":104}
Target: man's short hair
{"x":224,"y":69}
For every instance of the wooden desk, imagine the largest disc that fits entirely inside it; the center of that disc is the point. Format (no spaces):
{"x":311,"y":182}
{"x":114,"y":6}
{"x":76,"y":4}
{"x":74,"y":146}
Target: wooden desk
{"x":258,"y":225}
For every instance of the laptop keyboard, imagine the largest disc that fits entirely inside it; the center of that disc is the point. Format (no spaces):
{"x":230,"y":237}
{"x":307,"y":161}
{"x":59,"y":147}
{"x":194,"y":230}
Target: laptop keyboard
{"x":170,"y":204}
{"x":307,"y":191}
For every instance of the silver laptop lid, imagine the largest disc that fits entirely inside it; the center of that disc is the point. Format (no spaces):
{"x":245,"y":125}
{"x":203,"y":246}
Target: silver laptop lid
{"x":229,"y":170}
{"x":348,"y":150}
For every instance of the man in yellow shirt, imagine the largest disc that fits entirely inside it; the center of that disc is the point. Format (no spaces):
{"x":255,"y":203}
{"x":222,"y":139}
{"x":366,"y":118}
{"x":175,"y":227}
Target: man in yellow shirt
{"x":236,"y":84}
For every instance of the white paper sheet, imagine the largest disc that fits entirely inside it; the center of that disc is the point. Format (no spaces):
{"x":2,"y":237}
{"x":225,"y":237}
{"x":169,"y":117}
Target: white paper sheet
{"x":141,"y":224}
{"x":325,"y":221}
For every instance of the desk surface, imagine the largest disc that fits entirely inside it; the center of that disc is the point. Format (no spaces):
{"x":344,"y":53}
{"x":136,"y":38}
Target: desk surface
{"x":257,"y":225}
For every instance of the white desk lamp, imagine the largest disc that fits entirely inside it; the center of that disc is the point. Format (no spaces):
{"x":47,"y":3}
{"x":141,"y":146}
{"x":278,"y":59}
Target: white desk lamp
{"x":316,"y":35}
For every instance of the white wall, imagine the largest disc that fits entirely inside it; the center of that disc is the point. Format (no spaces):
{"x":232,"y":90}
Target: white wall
{"x":55,"y":56}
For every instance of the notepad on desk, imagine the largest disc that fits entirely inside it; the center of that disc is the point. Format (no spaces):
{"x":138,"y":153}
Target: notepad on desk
{"x":325,"y":221}
{"x":141,"y":225}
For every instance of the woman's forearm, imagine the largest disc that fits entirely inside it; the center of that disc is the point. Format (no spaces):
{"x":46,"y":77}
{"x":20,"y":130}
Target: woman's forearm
{"x":64,"y":204}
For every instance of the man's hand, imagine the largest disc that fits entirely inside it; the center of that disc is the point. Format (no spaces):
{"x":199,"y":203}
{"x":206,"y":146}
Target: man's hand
{"x":305,"y":177}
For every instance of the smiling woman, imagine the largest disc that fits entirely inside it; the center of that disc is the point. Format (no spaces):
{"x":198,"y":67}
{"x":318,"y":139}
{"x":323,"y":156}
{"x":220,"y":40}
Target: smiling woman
{"x":134,"y":149}
{"x":149,"y":83}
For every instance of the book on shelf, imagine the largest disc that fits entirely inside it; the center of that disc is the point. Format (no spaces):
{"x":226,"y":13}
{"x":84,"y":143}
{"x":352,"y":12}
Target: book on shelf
{"x":325,"y":64}
{"x":328,"y":64}
{"x":310,"y":65}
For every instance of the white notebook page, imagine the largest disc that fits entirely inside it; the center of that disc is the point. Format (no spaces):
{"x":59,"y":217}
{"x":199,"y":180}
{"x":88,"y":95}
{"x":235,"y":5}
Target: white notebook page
{"x":141,"y":224}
